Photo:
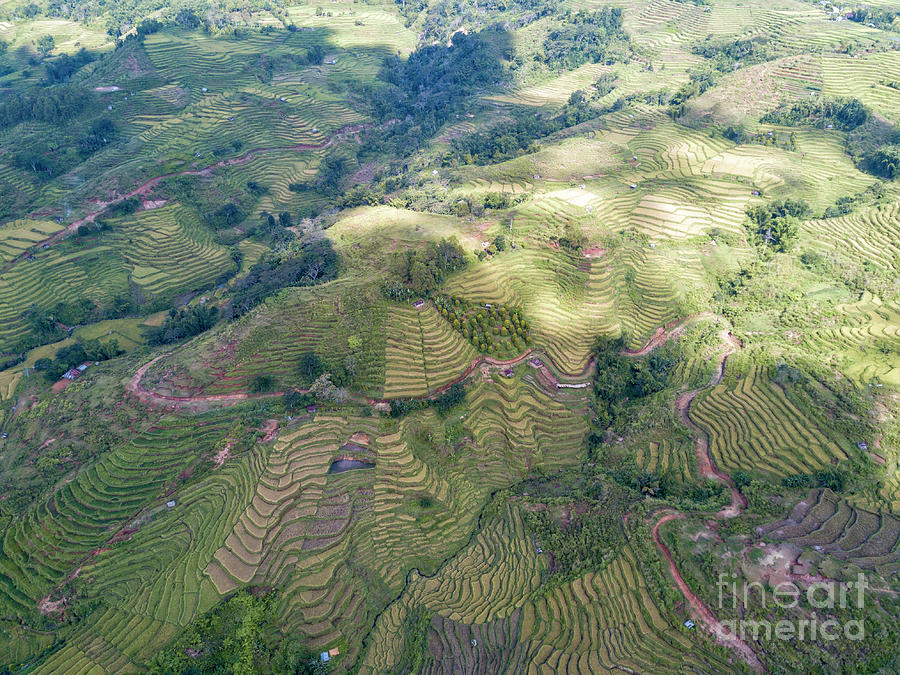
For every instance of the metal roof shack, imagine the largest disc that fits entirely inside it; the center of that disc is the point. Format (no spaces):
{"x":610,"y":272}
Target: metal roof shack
{"x":535,"y":362}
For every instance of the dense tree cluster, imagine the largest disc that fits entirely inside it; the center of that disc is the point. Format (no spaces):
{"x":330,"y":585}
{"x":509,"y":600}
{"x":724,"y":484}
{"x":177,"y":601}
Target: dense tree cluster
{"x":55,"y":105}
{"x":621,"y":378}
{"x":418,"y":95}
{"x":883,"y":161}
{"x":879,"y":17}
{"x":64,"y":66}
{"x":420,"y":271}
{"x":511,"y":139}
{"x":76,"y":354}
{"x":587,"y":37}
{"x":699,"y":81}
{"x":776,"y":225}
{"x":313,"y":262}
{"x":443,"y":403}
{"x":239,"y":635}
{"x":436,"y":80}
{"x":101,"y":133}
{"x":50,"y":324}
{"x":588,"y":542}
{"x":122,"y":15}
{"x":590,"y":534}
{"x":440,"y":18}
{"x":841,"y":113}
{"x":495,"y":329}
{"x":183,"y":323}
{"x":728,"y":54}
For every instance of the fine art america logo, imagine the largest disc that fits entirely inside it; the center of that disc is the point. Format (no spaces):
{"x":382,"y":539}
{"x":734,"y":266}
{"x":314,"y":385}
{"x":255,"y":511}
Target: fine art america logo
{"x":818,"y":598}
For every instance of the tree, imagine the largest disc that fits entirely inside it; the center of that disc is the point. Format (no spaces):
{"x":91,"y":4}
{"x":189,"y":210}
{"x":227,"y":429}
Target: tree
{"x":309,"y":367}
{"x":884,"y":162}
{"x":323,"y":388}
{"x":422,"y":278}
{"x":777,"y":224}
{"x":45,"y":45}
{"x":295,"y":400}
{"x":785,"y":232}
{"x":187,"y":18}
{"x":262,"y":383}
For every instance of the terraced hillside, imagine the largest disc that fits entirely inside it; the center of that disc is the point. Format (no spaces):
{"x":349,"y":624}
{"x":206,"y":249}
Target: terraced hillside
{"x":485,"y":613}
{"x":423,"y":352}
{"x":833,"y":527}
{"x":750,"y":422}
{"x":396,"y":337}
{"x":321,"y":321}
{"x":71,"y":527}
{"x":566,"y":301}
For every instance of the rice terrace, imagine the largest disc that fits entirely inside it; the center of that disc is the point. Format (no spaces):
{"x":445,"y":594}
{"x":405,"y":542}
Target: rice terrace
{"x":415,"y":336}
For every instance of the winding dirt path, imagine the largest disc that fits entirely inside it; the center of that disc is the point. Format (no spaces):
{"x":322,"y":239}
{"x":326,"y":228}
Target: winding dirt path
{"x":706,"y":618}
{"x":708,"y":469}
{"x":662,"y":335}
{"x":668,"y":332}
{"x":136,"y":389}
{"x":147,"y":186}
{"x":707,"y":466}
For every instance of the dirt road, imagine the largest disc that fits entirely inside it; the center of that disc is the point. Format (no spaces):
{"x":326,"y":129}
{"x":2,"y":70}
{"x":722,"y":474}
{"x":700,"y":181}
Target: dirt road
{"x":701,"y":611}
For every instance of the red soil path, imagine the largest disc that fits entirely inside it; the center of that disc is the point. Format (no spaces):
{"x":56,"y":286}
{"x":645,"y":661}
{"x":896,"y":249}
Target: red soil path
{"x":148,"y":397}
{"x":738,"y":502}
{"x":708,"y":468}
{"x":706,"y":618}
{"x":146,"y":187}
{"x":665,"y":333}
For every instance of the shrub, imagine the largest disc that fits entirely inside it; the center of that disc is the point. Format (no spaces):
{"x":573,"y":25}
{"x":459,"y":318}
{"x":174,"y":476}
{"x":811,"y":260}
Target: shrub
{"x":262,"y":383}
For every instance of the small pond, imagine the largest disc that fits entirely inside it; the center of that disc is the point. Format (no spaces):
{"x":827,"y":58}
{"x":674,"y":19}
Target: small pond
{"x":341,"y":465}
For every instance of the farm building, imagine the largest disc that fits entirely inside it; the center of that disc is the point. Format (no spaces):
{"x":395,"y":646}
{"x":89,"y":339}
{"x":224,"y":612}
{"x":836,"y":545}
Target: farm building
{"x":75,"y":373}
{"x":325,"y":657}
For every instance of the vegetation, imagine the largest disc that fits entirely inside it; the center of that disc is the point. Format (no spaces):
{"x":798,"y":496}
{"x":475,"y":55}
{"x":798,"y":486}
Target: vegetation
{"x":184,"y":323}
{"x":419,"y":272}
{"x":845,"y":114}
{"x":587,"y":37}
{"x":621,"y":380}
{"x":233,"y":637}
{"x":777,"y":224}
{"x":444,"y":336}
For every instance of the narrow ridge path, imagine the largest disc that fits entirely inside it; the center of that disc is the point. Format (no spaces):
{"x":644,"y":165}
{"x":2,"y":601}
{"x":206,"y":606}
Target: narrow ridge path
{"x":708,"y":469}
